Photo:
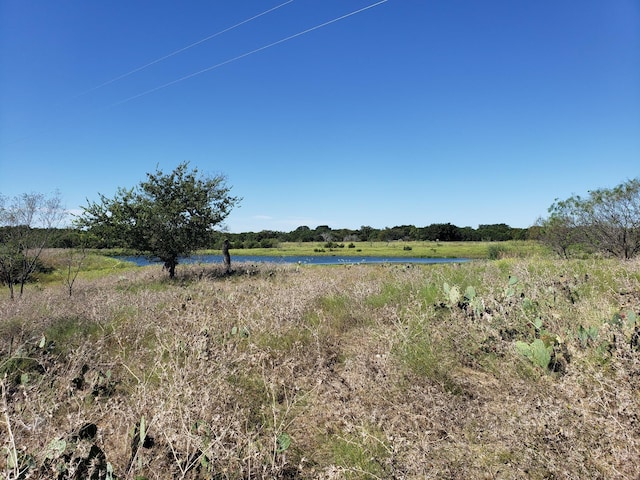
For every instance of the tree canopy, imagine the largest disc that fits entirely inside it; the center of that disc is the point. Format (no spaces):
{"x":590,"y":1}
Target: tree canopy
{"x":168,"y":216}
{"x":27,"y":222}
{"x":607,"y":220}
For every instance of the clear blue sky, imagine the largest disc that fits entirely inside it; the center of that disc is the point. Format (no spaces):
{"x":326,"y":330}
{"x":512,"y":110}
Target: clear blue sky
{"x":409,"y":112}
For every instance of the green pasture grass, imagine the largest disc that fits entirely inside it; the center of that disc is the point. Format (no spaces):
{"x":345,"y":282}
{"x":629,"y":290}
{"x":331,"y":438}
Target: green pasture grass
{"x":418,"y":249}
{"x":95,"y":264}
{"x":99,"y":263}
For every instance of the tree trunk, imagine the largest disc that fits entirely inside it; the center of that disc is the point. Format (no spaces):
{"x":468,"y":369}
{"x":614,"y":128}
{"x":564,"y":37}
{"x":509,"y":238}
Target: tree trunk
{"x":170,"y":265}
{"x":227,"y":257}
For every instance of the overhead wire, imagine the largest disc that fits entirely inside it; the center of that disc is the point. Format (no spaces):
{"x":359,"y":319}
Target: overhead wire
{"x":218,"y":65}
{"x":158,"y":60}
{"x":180,"y":50}
{"x":244,"y":55}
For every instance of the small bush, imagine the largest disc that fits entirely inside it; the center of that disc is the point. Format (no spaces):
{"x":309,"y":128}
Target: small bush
{"x":268,"y":243}
{"x":495,"y":252}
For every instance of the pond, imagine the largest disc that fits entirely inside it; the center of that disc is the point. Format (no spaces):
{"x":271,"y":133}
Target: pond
{"x":304,"y":260}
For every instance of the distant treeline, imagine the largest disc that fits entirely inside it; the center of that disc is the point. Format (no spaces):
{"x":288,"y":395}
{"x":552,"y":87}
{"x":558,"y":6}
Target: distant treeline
{"x":442,"y":232}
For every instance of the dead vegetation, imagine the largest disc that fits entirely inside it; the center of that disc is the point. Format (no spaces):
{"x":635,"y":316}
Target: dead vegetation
{"x":505,"y":369}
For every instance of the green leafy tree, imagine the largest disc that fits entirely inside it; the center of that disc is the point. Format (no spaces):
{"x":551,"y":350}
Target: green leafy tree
{"x":498,"y":232}
{"x":168,"y":216}
{"x":608,"y":220}
{"x":366,"y":233}
{"x":301,"y":234}
{"x":444,"y":232}
{"x":559,"y":233}
{"x":27,"y":222}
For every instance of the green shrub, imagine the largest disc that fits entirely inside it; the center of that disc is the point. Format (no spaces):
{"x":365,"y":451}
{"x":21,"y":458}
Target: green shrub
{"x":495,"y":252}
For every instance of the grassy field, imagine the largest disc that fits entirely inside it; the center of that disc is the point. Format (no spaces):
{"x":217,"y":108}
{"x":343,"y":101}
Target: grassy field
{"x":514,"y":368}
{"x":401,"y":249}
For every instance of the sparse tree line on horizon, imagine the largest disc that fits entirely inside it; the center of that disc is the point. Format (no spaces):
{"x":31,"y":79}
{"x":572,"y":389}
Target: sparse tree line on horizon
{"x":172,"y":215}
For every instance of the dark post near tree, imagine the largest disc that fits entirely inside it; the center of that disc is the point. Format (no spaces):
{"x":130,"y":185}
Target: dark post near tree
{"x":168,"y":216}
{"x":226,"y":256}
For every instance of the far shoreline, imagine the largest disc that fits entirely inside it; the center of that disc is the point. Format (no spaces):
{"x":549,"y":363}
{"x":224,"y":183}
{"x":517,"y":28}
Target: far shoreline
{"x":396,"y":249}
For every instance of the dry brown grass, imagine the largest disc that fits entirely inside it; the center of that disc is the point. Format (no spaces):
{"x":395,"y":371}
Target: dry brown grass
{"x":369,"y":370}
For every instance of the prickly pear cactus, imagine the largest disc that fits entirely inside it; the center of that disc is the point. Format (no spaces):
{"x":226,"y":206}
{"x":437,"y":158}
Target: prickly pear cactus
{"x":536,"y":351}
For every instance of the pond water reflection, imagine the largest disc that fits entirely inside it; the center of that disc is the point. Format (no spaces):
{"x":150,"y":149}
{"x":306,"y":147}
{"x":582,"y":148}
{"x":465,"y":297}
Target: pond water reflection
{"x":305,"y":260}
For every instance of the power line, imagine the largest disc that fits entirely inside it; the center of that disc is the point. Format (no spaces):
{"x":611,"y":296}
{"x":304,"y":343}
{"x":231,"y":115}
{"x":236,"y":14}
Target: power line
{"x":213,"y":67}
{"x":180,"y":50}
{"x":226,"y":62}
{"x":158,"y":60}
